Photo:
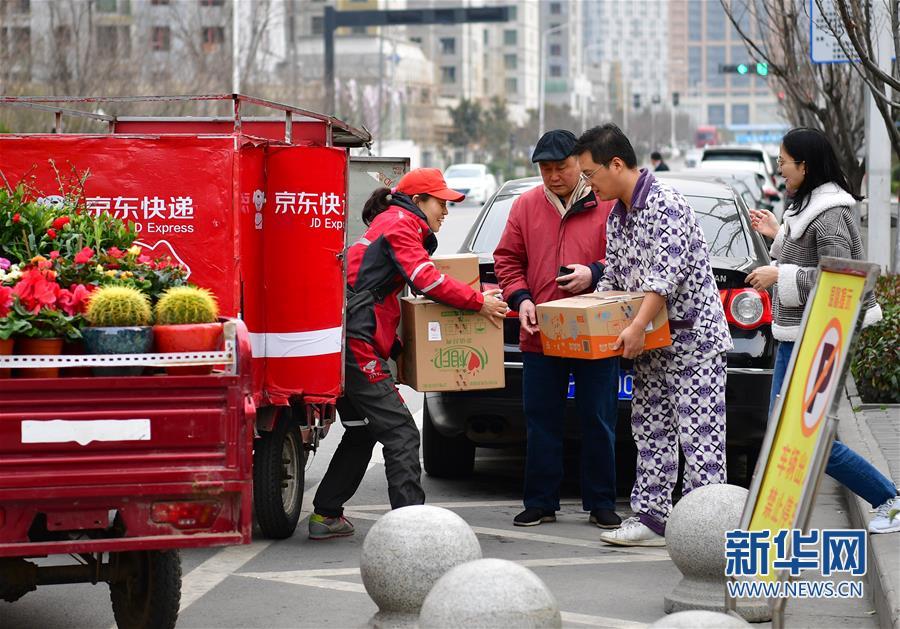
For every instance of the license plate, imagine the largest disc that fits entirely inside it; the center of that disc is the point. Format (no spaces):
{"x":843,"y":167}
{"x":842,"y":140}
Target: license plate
{"x":626,"y":385}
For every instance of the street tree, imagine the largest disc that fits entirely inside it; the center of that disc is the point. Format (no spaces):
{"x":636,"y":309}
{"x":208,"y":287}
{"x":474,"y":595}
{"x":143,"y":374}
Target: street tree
{"x":825,"y":96}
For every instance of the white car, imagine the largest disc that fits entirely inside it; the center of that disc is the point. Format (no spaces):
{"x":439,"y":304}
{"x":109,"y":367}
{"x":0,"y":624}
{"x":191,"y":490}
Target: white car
{"x":474,"y":180}
{"x":742,"y":153}
{"x":769,"y":189}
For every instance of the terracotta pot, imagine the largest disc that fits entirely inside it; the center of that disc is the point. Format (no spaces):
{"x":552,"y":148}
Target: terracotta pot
{"x":6,"y":349}
{"x":28,"y":346}
{"x":188,"y":337}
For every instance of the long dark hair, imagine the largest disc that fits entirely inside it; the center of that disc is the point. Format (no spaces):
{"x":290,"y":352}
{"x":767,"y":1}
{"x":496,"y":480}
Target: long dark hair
{"x":380,"y":200}
{"x":811,"y":147}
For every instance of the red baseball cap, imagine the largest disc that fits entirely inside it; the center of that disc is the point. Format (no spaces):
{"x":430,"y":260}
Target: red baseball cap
{"x":428,"y":181}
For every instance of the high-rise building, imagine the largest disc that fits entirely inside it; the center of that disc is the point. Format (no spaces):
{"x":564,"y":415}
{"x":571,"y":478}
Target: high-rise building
{"x":562,"y":32}
{"x":702,"y":41}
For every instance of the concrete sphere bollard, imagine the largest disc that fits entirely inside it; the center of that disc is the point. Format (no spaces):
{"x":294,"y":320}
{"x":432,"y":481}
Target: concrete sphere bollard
{"x":699,"y":619}
{"x":405,"y":553}
{"x":489,"y":593}
{"x":695,"y":537}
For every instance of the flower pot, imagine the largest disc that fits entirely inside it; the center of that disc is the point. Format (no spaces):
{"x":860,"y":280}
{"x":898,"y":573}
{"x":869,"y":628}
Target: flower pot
{"x":75,"y":348}
{"x":26,"y":346}
{"x":188,"y":337}
{"x":118,"y":340}
{"x":6,"y":349}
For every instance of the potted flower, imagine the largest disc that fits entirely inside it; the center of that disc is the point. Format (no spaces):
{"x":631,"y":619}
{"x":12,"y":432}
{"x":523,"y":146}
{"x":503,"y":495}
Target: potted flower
{"x":119,"y":323}
{"x":186,"y":322}
{"x":10,"y":325}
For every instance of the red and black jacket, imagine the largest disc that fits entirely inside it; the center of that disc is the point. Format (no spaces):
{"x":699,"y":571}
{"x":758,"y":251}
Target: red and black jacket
{"x":394,"y":251}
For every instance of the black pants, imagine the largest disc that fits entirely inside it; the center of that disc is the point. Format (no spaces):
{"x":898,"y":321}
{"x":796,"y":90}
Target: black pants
{"x":371,"y":410}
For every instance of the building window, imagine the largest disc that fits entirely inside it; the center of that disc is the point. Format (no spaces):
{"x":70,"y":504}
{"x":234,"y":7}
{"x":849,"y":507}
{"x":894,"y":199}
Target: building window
{"x":715,"y":115}
{"x":486,"y":37}
{"x":740,"y":114}
{"x":415,"y":40}
{"x":637,"y":70}
{"x":160,"y":38}
{"x":512,"y":85}
{"x":555,"y":8}
{"x":695,"y":66}
{"x":448,"y":74}
{"x":715,"y":21}
{"x":448,"y":45}
{"x":213,"y":38}
{"x":510,"y":62}
{"x":510,"y":37}
{"x":212,"y":3}
{"x":317,"y":24}
{"x":695,"y":20}
{"x":18,"y":6}
{"x":513,"y":14}
{"x":106,"y":6}
{"x":158,"y":2}
{"x":555,"y":71}
{"x":715,"y":58}
{"x":555,"y":50}
{"x":106,"y":39}
{"x":358,"y":30}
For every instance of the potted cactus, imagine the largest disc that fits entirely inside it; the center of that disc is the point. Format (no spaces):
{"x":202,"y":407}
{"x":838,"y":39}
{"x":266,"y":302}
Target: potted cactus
{"x":119,"y":318}
{"x":186,"y":321}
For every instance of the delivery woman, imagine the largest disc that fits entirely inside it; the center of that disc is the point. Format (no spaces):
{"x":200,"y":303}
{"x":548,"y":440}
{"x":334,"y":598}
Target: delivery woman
{"x":395,"y":251}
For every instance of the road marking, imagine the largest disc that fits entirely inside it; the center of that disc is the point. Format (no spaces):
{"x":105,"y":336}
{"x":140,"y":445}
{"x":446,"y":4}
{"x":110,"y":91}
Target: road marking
{"x":216,"y":569}
{"x":537,"y":537}
{"x":601,"y":621}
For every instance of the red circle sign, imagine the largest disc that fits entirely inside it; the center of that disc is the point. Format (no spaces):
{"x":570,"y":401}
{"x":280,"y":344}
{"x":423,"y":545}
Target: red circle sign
{"x":822,"y":377}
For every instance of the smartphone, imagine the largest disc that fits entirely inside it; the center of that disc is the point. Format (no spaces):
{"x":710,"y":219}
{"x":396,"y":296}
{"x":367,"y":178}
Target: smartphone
{"x":564,"y":270}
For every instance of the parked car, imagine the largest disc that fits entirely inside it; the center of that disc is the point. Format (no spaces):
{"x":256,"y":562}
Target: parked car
{"x":454,"y":424}
{"x":750,"y":184}
{"x":474,"y":180}
{"x":770,"y":184}
{"x":741,"y":153}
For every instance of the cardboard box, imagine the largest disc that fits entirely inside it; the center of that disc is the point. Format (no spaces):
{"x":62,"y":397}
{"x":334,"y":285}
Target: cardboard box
{"x":586,"y":326}
{"x":445,"y":349}
{"x":460,"y":266}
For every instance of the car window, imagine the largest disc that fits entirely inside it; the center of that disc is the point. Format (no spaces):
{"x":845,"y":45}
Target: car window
{"x":731,"y":157}
{"x":722,"y":226}
{"x":494,"y":223}
{"x":462,"y":171}
{"x":719,"y":219}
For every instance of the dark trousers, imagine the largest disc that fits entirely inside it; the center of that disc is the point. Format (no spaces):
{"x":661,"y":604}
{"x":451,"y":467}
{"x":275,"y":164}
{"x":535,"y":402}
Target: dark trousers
{"x":545,"y":383}
{"x":371,"y":411}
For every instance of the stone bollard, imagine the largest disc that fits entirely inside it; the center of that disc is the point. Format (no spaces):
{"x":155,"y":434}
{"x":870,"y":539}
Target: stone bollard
{"x":695,"y":538}
{"x":489,"y":593}
{"x":699,"y":619}
{"x":405,"y":553}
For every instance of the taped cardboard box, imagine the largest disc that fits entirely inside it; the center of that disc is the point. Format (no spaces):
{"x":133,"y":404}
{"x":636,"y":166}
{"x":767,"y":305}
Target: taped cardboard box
{"x":586,"y":326}
{"x":460,"y":266}
{"x":445,"y":349}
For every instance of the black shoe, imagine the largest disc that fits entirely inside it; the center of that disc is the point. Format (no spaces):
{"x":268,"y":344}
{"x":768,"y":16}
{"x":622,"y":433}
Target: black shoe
{"x":534,"y":516}
{"x":605,"y":518}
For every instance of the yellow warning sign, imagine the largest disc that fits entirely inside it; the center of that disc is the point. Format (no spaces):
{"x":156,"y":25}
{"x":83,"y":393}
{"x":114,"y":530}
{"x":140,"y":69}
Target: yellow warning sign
{"x":810,"y":388}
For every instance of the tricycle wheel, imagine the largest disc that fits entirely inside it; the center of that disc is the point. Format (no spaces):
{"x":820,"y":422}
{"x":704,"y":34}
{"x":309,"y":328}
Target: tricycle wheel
{"x":148,"y":594}
{"x":279,"y":471}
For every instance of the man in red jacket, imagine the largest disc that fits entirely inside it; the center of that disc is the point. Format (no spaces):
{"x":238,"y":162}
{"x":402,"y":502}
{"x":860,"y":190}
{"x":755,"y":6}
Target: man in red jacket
{"x":557,"y":226}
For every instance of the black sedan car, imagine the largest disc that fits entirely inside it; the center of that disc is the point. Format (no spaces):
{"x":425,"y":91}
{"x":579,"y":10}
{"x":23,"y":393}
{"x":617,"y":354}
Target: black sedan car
{"x":454,"y":424}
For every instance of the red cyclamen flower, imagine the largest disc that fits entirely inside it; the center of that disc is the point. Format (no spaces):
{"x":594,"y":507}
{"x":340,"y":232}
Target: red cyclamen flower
{"x":84,"y":256}
{"x":61,"y":222}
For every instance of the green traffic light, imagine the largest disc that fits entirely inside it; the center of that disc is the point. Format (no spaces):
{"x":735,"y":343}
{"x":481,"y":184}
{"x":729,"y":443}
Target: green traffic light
{"x":762,"y":69}
{"x":742,"y":68}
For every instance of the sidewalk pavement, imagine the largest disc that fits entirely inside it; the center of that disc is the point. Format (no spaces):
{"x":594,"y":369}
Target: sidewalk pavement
{"x":873,"y":430}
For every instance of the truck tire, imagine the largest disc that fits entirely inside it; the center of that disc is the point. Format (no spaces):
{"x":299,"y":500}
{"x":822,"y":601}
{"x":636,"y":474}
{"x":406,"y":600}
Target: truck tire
{"x":445,"y":457}
{"x":279,"y":472}
{"x":149,"y":597}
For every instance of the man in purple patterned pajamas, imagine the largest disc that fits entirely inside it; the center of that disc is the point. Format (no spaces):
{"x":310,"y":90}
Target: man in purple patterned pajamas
{"x":655,"y":245}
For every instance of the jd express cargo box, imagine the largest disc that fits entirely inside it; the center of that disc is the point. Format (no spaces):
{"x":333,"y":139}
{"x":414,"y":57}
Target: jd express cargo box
{"x":586,"y":326}
{"x":460,"y":266}
{"x":445,"y":349}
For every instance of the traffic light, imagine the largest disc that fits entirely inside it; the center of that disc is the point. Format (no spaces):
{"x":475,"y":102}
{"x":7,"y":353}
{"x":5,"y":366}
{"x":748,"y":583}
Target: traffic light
{"x":762,"y":69}
{"x":636,"y":101}
{"x":675,"y":99}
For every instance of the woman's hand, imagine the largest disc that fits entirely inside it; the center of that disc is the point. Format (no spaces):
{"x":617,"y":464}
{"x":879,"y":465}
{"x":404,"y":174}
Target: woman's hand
{"x":493,"y":308}
{"x":763,"y":277}
{"x":764,"y":222}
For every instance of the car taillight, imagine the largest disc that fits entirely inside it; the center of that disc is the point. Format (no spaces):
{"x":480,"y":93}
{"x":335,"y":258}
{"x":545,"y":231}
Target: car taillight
{"x":746,"y":308}
{"x":192,"y":514}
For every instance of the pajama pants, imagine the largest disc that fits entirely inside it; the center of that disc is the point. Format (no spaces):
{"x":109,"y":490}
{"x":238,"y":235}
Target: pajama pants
{"x":677,"y":400}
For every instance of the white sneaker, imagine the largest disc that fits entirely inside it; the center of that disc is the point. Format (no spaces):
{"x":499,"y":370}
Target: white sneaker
{"x":633,"y":533}
{"x":882,"y":522}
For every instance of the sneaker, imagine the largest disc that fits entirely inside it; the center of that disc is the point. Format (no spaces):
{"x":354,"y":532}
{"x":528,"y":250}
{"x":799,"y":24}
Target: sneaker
{"x":534,"y":516}
{"x":633,"y":533}
{"x":321,"y":527}
{"x":883,"y":522}
{"x":605,"y":518}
